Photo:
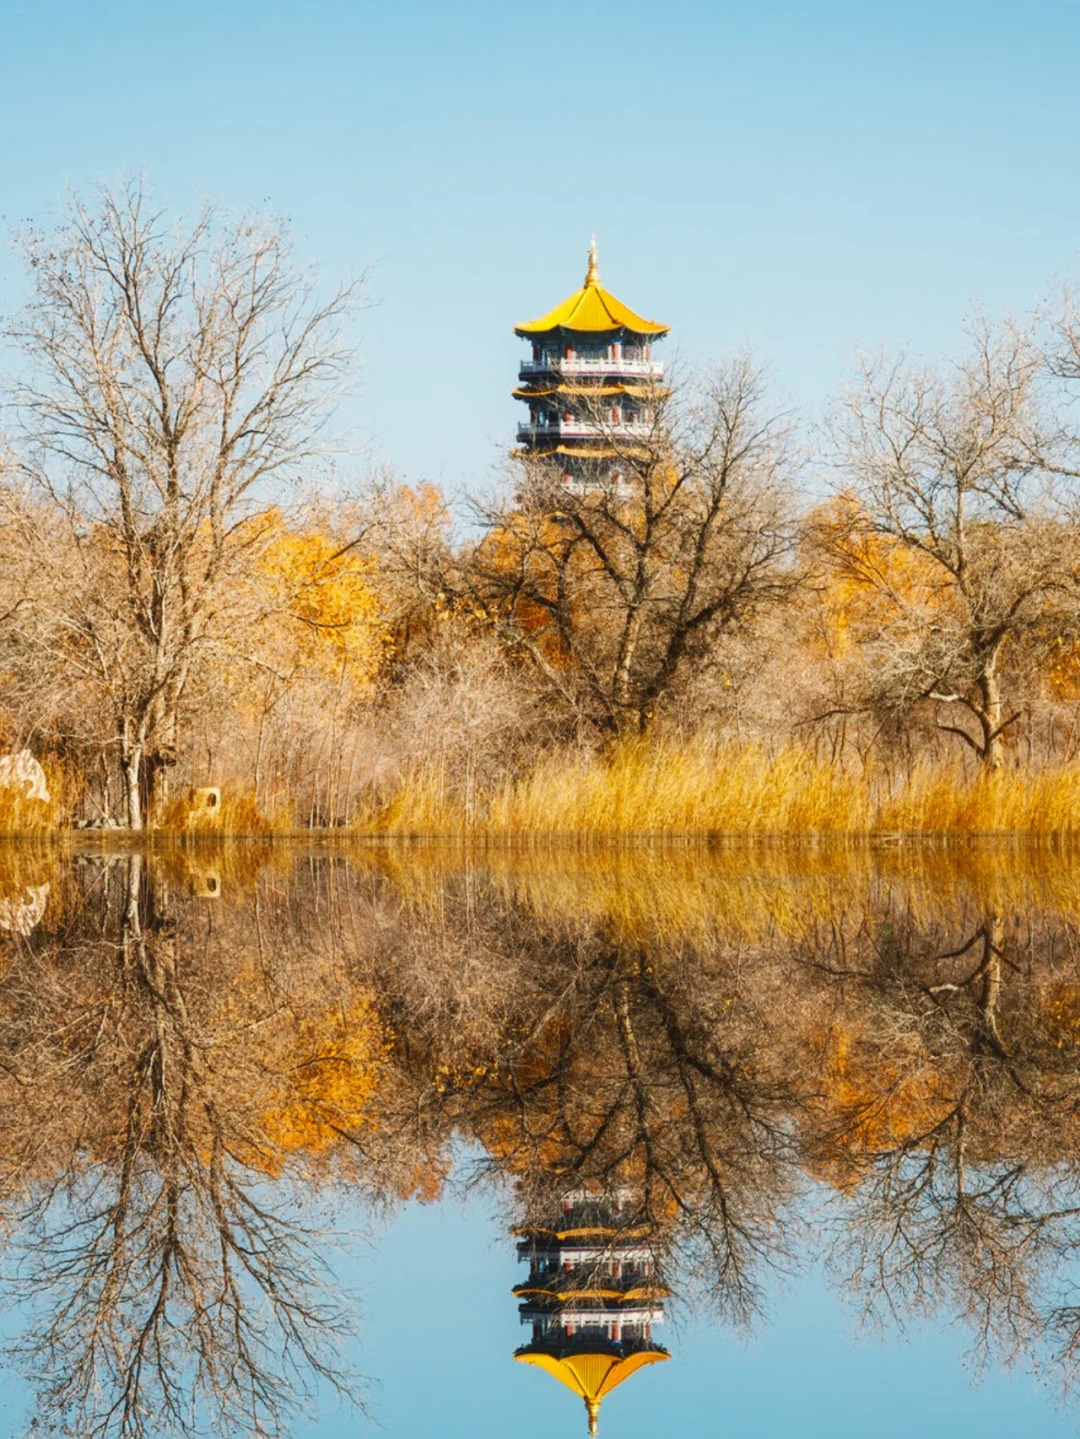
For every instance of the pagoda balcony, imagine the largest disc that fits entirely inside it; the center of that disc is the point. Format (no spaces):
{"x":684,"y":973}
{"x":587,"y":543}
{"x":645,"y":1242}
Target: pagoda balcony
{"x":584,"y":1316}
{"x":583,"y":430}
{"x":637,"y":369}
{"x":583,"y":1250}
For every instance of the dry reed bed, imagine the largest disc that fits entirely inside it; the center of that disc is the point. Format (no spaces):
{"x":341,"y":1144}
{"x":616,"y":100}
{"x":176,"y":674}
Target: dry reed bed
{"x":662,"y":787}
{"x":705,"y":788}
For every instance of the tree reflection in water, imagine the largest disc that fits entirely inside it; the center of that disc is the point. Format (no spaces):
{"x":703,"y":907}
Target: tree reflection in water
{"x":746,"y":1059}
{"x":149,"y":1076}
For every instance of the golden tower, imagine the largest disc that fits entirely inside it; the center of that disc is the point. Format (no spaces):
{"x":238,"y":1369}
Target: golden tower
{"x":591,"y":382}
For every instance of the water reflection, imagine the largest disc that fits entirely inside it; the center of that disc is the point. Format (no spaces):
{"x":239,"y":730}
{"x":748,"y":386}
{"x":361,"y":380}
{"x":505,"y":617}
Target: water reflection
{"x":154,"y":1081}
{"x":690,"y":1071}
{"x":591,"y":1298}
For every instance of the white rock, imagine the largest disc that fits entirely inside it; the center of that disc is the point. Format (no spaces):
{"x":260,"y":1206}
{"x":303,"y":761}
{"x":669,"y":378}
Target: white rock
{"x":22,"y":771}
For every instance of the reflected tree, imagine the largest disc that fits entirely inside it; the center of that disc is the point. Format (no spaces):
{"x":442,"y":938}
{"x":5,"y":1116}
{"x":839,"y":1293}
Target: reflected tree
{"x":175,"y":1285}
{"x":950,"y":1121}
{"x":606,"y":1068}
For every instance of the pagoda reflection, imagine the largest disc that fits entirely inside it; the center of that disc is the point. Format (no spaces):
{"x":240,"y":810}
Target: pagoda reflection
{"x":592,"y":1296}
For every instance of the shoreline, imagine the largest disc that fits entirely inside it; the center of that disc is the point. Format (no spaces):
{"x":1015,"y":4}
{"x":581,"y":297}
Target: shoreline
{"x":119,"y":839}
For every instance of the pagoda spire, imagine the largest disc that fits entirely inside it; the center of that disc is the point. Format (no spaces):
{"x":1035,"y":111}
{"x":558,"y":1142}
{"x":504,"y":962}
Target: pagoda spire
{"x":592,"y":275}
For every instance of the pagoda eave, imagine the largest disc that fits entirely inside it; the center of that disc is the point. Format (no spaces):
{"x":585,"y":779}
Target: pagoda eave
{"x":608,"y":385}
{"x":586,"y":1300}
{"x":645,"y":332}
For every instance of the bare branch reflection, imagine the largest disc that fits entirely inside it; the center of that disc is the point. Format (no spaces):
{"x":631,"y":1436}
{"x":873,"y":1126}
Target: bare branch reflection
{"x":175,"y":1285}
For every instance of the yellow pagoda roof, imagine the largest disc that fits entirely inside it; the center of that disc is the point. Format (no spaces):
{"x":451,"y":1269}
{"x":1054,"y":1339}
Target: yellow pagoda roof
{"x":592,"y":452}
{"x":592,"y":1231}
{"x":643,"y":1294}
{"x":592,"y":1376}
{"x":637,"y":392}
{"x":593,"y":310}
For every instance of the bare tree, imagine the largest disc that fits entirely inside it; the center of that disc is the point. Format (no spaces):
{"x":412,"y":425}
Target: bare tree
{"x":961,"y":556}
{"x":612,"y":587}
{"x":176,"y":380}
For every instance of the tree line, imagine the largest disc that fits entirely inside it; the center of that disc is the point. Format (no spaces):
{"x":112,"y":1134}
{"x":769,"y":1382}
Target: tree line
{"x":183,"y":601}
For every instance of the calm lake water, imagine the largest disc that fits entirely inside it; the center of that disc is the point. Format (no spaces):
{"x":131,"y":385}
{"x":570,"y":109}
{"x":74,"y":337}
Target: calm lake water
{"x":395,"y":1140}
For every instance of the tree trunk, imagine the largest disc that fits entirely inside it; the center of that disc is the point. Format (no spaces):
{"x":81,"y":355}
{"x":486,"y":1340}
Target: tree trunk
{"x":131,"y":765}
{"x":621,"y":687}
{"x":990,"y":718}
{"x":154,"y":783}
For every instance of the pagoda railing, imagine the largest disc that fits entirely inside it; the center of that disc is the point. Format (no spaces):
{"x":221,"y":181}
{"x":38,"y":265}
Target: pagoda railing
{"x":582,"y":430}
{"x":646,"y":369}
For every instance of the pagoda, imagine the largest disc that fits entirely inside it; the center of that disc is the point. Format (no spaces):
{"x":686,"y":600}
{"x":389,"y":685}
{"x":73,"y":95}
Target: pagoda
{"x":591,"y":384}
{"x":591,"y":1299}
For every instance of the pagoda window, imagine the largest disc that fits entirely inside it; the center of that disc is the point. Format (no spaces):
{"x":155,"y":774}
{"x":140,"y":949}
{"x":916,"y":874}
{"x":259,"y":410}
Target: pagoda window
{"x":631,"y":352}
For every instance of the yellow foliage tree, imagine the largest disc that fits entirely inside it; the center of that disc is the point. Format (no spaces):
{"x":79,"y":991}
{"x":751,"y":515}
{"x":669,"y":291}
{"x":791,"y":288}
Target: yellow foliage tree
{"x":320,"y":610}
{"x":328,"y":1076}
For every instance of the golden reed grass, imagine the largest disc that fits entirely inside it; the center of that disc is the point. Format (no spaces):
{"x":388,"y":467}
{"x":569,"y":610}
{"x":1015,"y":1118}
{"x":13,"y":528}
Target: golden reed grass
{"x":662,"y":787}
{"x":705,"y":787}
{"x":239,"y":813}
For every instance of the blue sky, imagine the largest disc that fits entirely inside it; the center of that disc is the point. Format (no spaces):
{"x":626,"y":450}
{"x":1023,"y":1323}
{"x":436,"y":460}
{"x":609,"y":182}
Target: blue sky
{"x":803,"y":177}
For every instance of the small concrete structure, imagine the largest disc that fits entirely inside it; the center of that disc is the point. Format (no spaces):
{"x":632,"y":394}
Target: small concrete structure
{"x":204,"y":805}
{"x":204,"y":884}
